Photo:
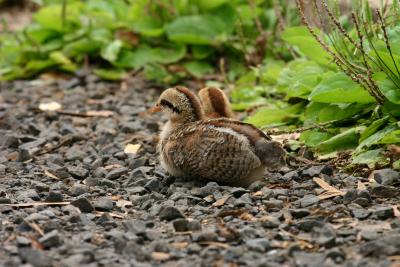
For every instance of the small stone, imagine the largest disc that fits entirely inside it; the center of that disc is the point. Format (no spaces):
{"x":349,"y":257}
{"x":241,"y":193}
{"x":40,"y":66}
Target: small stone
{"x":270,"y":222}
{"x":116,"y":173}
{"x":10,"y":141}
{"x":103,"y":204}
{"x":170,"y":213}
{"x":51,"y":239}
{"x":78,"y":189}
{"x":4,"y":200}
{"x":369,"y":235}
{"x":23,"y":241}
{"x":315,"y":171}
{"x":28,"y":194}
{"x":181,"y":225}
{"x":75,"y":153}
{"x":238,"y":191}
{"x":83,"y":204}
{"x":153,"y":185}
{"x":384,"y":213}
{"x":205,"y":236}
{"x":194,"y":225}
{"x":308,"y":200}
{"x":350,"y":195}
{"x":299,"y":213}
{"x":363,"y":202}
{"x":385,"y":191}
{"x":78,"y":172}
{"x":308,"y":224}
{"x":35,"y":257}
{"x":360,"y":214}
{"x":55,"y":196}
{"x":386,"y":176}
{"x":258,"y":244}
{"x":135,"y":226}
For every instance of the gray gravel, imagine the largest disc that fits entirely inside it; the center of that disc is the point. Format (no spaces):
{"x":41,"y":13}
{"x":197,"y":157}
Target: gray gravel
{"x":108,"y":208}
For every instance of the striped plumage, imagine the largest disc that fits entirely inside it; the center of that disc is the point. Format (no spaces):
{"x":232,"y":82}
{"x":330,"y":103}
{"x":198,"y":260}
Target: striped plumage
{"x":222,"y":150}
{"x":215,"y":103}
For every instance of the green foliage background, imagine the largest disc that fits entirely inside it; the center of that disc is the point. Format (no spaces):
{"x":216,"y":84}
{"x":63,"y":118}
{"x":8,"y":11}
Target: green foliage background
{"x":258,"y":46}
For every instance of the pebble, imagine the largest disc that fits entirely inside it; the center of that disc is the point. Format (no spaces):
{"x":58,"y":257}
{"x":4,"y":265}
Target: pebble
{"x":169,"y":213}
{"x":103,"y":204}
{"x":83,"y":204}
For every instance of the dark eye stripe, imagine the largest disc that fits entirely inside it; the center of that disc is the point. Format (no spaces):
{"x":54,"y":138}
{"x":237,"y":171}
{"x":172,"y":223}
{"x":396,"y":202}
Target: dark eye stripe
{"x":169,"y":105}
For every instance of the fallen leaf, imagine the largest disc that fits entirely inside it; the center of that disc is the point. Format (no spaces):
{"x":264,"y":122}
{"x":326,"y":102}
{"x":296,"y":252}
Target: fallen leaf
{"x":180,"y":245}
{"x":49,"y":174}
{"x":246,"y":217}
{"x":212,"y":243}
{"x":220,"y":202}
{"x":131,"y":148}
{"x":160,"y":256}
{"x":113,"y":166}
{"x":50,"y":106}
{"x":100,"y":113}
{"x":257,"y":194}
{"x":330,"y":190}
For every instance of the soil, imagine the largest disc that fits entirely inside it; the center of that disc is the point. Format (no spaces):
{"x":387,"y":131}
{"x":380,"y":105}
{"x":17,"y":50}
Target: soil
{"x":84,"y":188}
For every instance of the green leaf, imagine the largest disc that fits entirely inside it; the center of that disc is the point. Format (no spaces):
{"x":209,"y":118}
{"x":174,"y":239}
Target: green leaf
{"x":370,"y":158}
{"x":307,"y":45}
{"x":198,"y":68}
{"x":373,"y":127}
{"x":144,"y":55}
{"x":269,"y":117}
{"x":314,"y":137}
{"x":50,"y":17}
{"x":299,"y":78}
{"x":271,"y":71}
{"x":201,"y":51}
{"x":376,"y":137}
{"x":198,"y":29}
{"x":343,"y":141}
{"x":339,"y":88}
{"x":61,"y":59}
{"x":391,"y":138}
{"x":148,"y":26}
{"x":387,"y":87}
{"x":111,"y":75}
{"x":111,"y":51}
{"x":210,"y":4}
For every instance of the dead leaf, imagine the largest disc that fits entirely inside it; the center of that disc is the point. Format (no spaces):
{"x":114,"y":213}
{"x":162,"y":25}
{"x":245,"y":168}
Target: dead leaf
{"x":99,"y":113}
{"x":246,"y":217}
{"x":112,"y":166}
{"x":131,"y":148}
{"x":50,"y":106}
{"x":330,"y":190}
{"x":160,"y":256}
{"x":212,"y":243}
{"x":220,"y":202}
{"x":49,"y":174}
{"x":180,"y":245}
{"x":361,"y":186}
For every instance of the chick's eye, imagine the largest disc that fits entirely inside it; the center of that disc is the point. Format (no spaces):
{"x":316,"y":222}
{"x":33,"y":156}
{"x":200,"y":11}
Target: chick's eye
{"x":166,"y":103}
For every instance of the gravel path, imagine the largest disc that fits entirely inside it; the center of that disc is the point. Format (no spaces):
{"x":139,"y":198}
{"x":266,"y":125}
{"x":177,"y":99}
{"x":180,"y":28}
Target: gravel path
{"x":101,"y":206}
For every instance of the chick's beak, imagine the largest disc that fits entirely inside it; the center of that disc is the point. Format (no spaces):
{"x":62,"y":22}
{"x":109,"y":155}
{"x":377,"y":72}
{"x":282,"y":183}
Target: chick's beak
{"x":156,"y":108}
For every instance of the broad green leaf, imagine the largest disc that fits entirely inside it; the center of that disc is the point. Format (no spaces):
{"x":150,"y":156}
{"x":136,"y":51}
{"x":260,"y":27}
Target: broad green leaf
{"x":61,"y":59}
{"x":201,"y":51}
{"x":244,"y":97}
{"x":198,"y":68}
{"x":307,"y":45}
{"x":112,"y":75}
{"x":373,"y":127}
{"x":339,"y":88}
{"x":299,"y":78}
{"x":81,"y":47}
{"x":331,"y":112}
{"x":343,"y":141}
{"x":391,"y":138}
{"x":227,"y":14}
{"x":270,"y":117}
{"x":111,"y":51}
{"x":198,"y":29}
{"x":50,"y":17}
{"x":387,"y":87}
{"x":148,"y":26}
{"x":391,"y":108}
{"x":314,"y":137}
{"x":271,"y":71}
{"x":144,"y":55}
{"x":376,"y":137}
{"x":210,"y":4}
{"x":370,"y":158}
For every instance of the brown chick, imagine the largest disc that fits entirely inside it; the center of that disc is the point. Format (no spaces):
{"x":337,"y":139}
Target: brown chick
{"x":215,"y":103}
{"x":221,"y":150}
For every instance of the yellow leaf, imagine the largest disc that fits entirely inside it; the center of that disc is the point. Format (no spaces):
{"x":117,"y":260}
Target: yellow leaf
{"x":131,"y":148}
{"x":50,"y":106}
